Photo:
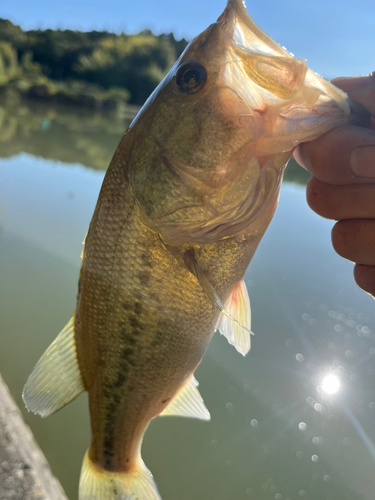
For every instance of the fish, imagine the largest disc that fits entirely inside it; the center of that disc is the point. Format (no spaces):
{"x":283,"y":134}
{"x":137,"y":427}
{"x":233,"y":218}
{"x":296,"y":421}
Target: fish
{"x":187,"y":197}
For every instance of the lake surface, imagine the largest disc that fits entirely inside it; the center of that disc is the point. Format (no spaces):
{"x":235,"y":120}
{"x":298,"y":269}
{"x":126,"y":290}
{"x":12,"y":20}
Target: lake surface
{"x":274,"y":433}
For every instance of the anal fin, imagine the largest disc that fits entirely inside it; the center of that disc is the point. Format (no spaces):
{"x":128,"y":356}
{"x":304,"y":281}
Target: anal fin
{"x":56,"y":379}
{"x":188,"y":403}
{"x":238,"y":306}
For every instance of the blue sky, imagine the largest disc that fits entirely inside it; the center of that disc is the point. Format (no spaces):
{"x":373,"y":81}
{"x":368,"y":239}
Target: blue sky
{"x":337,"y":37}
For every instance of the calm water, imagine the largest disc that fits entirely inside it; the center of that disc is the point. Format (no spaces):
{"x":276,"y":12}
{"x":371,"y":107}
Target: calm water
{"x":273,"y":434}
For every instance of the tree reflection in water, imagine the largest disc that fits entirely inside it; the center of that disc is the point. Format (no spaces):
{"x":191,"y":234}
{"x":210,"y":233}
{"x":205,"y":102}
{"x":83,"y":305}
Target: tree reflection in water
{"x":62,"y":133}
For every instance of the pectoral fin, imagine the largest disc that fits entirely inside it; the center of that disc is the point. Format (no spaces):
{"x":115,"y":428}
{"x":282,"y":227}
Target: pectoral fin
{"x":188,"y":403}
{"x":213,"y":296}
{"x":238,"y":306}
{"x":56,"y":379}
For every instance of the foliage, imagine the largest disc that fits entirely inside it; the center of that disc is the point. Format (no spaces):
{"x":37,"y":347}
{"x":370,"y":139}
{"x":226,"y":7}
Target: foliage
{"x":138,"y":62}
{"x":97,"y":69}
{"x":61,"y":133}
{"x":8,"y":63}
{"x":296,"y":174}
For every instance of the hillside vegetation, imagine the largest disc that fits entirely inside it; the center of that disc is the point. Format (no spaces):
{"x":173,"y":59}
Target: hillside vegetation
{"x":99,"y":70}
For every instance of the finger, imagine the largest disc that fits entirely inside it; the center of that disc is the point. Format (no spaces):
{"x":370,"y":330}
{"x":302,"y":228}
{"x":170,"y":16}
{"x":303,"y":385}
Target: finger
{"x":365,"y":278}
{"x":361,"y":89}
{"x":354,"y":240}
{"x":349,"y":83}
{"x":341,"y":202}
{"x":341,"y":156}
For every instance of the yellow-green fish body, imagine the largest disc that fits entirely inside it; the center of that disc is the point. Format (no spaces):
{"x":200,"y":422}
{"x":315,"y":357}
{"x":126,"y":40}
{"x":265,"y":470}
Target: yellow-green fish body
{"x":184,"y":204}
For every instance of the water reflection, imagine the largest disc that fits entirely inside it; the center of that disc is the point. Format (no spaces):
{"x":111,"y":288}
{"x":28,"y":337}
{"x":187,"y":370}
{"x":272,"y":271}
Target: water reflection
{"x":61,"y":133}
{"x":330,"y":384}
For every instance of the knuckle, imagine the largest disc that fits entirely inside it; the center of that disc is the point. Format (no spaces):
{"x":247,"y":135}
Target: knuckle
{"x":321,"y":198}
{"x":344,"y":239}
{"x":365,"y":278}
{"x":312,"y":194}
{"x":338,"y":238}
{"x":354,"y":239}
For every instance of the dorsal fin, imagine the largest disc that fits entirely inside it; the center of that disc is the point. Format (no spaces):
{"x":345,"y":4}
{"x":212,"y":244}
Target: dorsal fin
{"x":238,"y":306}
{"x":188,"y":403}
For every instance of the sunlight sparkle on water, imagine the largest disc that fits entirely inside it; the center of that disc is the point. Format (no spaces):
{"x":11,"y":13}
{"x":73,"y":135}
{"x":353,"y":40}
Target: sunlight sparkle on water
{"x":330,"y":384}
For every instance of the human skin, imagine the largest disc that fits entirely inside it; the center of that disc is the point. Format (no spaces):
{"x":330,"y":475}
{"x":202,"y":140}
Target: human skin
{"x":342,"y":163}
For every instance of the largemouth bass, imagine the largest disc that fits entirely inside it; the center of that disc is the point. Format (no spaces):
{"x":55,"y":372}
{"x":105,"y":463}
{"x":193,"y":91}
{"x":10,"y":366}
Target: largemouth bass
{"x":186,"y":199}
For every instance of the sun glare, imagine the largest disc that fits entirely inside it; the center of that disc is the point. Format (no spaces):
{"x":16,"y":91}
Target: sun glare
{"x":330,"y":384}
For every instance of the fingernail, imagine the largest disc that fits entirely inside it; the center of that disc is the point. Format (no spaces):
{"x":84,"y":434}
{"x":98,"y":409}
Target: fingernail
{"x":362,"y":161}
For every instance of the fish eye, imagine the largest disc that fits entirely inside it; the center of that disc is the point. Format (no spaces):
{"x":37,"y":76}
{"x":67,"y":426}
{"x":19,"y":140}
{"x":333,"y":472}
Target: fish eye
{"x":191,"y":77}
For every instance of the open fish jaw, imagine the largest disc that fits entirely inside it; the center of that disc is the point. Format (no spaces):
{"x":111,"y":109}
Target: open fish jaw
{"x":297,"y":103}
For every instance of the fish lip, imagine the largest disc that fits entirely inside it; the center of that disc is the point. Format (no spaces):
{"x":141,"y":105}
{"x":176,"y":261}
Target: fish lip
{"x":248,"y":40}
{"x":235,"y":15}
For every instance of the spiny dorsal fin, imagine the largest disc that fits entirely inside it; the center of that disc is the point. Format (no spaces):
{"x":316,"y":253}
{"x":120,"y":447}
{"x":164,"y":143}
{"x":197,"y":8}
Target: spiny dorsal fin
{"x":238,"y":306}
{"x":188,"y":403}
{"x":56,"y":379}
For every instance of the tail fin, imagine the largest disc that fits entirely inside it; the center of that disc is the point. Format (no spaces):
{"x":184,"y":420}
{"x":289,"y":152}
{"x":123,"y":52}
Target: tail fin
{"x":56,"y":379}
{"x":98,"y":484}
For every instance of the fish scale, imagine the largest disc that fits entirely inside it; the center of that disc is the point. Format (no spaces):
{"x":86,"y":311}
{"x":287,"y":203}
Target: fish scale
{"x":188,"y":195}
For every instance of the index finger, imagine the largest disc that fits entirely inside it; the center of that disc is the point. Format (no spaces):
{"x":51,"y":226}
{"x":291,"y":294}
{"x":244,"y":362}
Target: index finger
{"x":336,"y":156}
{"x":359,"y":88}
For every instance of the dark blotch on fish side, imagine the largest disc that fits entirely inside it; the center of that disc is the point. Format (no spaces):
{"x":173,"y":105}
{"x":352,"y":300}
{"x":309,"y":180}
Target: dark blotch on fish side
{"x":137,"y":307}
{"x":109,"y":431}
{"x":146,"y":260}
{"x":127,"y":356}
{"x":121,"y":377}
{"x":134,"y":322}
{"x":128,"y":306}
{"x":132,"y":340}
{"x":144,"y":277}
{"x":113,"y":392}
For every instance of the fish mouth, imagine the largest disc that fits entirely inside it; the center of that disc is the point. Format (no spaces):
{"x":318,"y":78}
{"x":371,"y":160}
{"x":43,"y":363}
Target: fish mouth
{"x":274,"y":83}
{"x":264,"y":62}
{"x":245,"y":33}
{"x":270,"y":66}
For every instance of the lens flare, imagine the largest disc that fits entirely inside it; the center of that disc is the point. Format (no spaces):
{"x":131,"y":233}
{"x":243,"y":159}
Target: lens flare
{"x":330,"y":384}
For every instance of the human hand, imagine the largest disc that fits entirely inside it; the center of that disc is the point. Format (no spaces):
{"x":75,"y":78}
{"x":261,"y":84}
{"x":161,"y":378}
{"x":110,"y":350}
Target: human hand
{"x":342,"y":188}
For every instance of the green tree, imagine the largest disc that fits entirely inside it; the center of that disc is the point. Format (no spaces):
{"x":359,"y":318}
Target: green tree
{"x":136,"y":62}
{"x":8,"y":63}
{"x":96,"y":69}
